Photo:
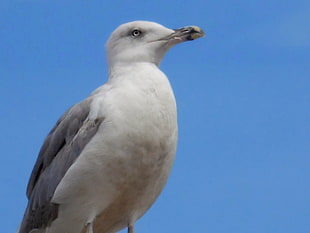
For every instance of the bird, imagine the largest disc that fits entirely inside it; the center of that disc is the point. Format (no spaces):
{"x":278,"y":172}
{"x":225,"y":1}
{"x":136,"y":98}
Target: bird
{"x":108,"y":157}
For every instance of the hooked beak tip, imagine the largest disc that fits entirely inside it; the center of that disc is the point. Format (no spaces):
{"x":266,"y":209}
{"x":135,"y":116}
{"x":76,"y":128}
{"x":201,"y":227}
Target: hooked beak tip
{"x":196,"y":32}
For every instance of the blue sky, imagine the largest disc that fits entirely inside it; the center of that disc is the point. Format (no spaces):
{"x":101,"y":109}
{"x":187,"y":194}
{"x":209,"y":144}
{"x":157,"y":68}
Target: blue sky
{"x":243,"y":96}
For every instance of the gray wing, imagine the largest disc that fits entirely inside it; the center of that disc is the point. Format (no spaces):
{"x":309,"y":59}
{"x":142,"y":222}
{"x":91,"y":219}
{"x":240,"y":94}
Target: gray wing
{"x":59,"y":151}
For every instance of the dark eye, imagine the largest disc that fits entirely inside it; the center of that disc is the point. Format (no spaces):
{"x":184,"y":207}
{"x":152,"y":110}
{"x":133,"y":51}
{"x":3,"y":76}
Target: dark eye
{"x":136,"y":33}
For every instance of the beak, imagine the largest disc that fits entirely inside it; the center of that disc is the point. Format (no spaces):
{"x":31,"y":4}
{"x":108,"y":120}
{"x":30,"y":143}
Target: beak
{"x":185,"y":34}
{"x":188,"y":33}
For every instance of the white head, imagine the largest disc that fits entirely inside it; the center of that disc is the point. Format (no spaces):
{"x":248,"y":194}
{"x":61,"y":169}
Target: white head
{"x":143,"y":41}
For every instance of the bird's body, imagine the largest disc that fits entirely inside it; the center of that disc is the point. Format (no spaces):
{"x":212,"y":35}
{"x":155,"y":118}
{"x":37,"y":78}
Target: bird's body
{"x":140,"y":132}
{"x":108,"y":158}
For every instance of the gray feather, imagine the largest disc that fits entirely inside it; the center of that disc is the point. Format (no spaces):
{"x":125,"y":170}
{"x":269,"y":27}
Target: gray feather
{"x":60,"y":149}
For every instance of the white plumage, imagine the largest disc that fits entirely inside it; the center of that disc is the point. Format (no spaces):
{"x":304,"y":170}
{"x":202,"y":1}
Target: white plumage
{"x":108,"y":158}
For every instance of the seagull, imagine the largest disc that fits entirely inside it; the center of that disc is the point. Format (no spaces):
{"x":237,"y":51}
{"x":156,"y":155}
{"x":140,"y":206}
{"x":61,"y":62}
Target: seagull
{"x":108,"y":157}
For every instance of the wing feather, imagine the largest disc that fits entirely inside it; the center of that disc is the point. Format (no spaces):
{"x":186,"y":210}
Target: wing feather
{"x":60,"y":149}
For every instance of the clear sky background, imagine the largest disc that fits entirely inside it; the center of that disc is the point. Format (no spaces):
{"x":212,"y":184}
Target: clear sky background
{"x":243,"y":97}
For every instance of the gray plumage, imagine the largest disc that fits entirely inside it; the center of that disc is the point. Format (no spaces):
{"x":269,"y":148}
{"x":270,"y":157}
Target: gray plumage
{"x":60,"y":149}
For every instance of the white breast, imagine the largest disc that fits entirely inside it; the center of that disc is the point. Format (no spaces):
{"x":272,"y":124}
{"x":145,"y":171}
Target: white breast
{"x":128,"y":161}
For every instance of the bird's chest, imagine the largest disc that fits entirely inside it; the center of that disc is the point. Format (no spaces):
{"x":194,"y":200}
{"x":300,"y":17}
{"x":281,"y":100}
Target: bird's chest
{"x":142,"y":134}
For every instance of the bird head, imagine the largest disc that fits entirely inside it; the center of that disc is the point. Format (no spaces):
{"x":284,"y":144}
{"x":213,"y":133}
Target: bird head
{"x":143,"y":41}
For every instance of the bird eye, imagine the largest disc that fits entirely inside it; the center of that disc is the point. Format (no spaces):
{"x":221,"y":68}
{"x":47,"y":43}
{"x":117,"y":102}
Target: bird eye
{"x":136,"y":33}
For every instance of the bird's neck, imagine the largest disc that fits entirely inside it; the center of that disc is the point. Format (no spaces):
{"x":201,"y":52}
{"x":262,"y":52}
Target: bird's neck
{"x":132,"y":71}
